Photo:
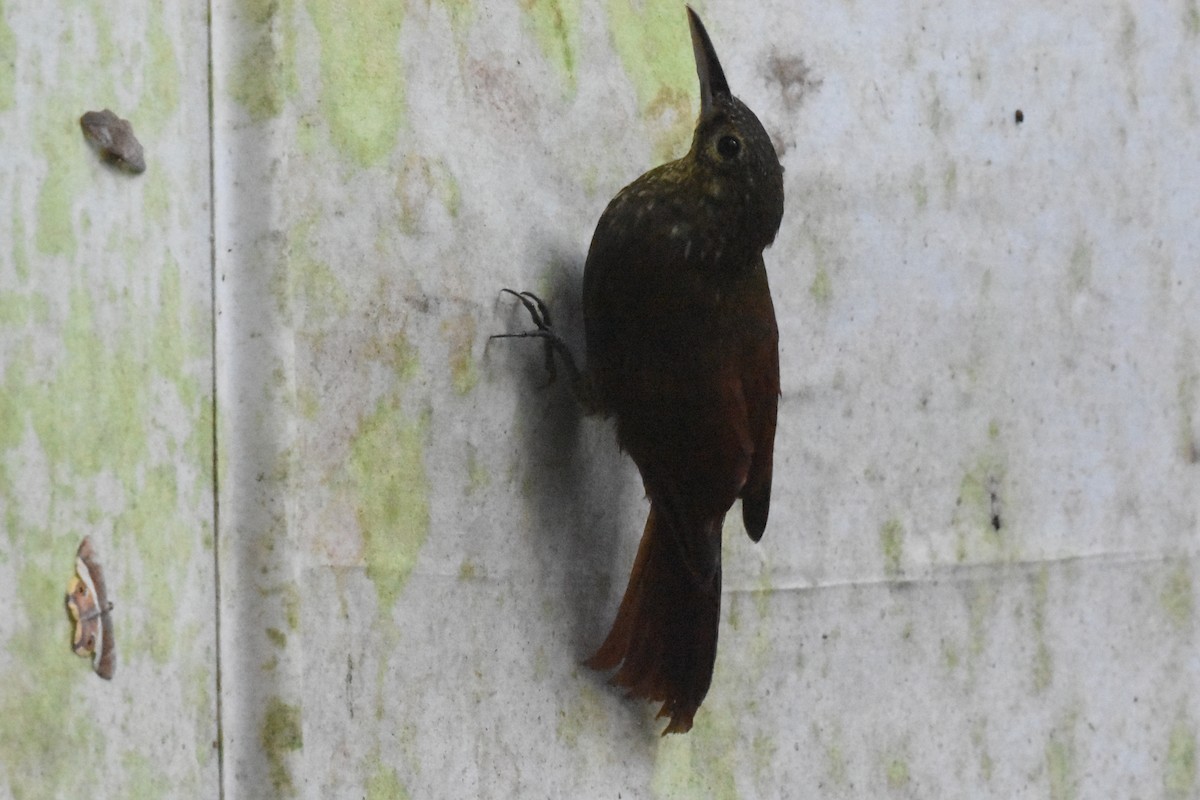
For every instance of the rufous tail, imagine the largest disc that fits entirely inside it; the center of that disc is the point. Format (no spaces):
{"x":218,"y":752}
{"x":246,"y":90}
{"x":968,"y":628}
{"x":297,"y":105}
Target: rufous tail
{"x":665,"y":634}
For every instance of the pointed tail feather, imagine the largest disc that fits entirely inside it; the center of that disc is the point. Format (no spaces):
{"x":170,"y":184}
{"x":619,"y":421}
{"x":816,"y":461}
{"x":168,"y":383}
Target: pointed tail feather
{"x":665,"y":635}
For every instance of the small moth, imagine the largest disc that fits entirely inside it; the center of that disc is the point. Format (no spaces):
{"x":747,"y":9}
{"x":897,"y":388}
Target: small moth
{"x":90,"y":610}
{"x":114,"y":138}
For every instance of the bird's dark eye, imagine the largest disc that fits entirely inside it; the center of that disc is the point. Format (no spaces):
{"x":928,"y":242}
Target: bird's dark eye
{"x":729,"y":146}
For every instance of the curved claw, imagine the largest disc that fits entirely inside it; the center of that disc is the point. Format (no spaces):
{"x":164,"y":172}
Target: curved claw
{"x":536,"y":308}
{"x":539,"y":314}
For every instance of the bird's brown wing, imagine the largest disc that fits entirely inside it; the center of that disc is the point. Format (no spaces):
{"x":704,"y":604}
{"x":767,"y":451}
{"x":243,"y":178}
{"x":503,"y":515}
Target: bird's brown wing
{"x":760,"y":382}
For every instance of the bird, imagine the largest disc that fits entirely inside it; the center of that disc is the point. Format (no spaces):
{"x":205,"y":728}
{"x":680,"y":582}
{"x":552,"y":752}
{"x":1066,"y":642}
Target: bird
{"x":682,"y":352}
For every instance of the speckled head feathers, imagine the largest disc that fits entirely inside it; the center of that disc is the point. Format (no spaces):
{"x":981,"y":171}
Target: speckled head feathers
{"x":738,"y":164}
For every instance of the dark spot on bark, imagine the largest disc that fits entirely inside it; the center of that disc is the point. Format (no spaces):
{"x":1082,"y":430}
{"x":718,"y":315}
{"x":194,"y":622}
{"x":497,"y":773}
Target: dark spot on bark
{"x":796,"y":81}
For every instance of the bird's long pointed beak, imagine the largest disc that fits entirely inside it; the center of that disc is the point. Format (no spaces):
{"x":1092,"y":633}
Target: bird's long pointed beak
{"x":708,"y":67}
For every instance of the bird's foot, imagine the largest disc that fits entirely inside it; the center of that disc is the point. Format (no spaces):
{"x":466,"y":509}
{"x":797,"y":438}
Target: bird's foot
{"x":539,"y":314}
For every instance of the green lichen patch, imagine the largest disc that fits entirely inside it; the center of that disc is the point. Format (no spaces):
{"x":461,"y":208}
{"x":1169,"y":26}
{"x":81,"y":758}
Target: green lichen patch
{"x":312,"y":289}
{"x":462,"y":14}
{"x":1043,"y":666}
{"x":388,"y":640}
{"x":920,"y":189}
{"x":979,"y":742}
{"x":981,"y":600}
{"x":1177,"y":596}
{"x":384,"y":784}
{"x":835,"y":765}
{"x":20,"y":253}
{"x":761,"y":648}
{"x":8,"y":63}
{"x":199,"y":446}
{"x":701,"y":763}
{"x":1079,"y":269}
{"x":461,"y":334}
{"x":1128,"y":48}
{"x":265,"y":75}
{"x":308,"y":403}
{"x":585,"y":714}
{"x":1191,"y":18}
{"x":652,"y":41}
{"x":165,"y":545}
{"x":764,"y":751}
{"x":162,"y":79}
{"x":18,"y":309}
{"x":198,"y":690}
{"x":260,"y":85}
{"x":891,"y":542}
{"x":821,"y":288}
{"x":1060,"y":768}
{"x":100,"y":31}
{"x":291,"y":606}
{"x":950,"y":656}
{"x":93,"y":382}
{"x":362,"y":75}
{"x":158,"y":198}
{"x":169,"y":349}
{"x":142,"y":778}
{"x":936,"y":115}
{"x":950,"y":184}
{"x":1188,"y":390}
{"x":281,"y":735}
{"x":896,"y":771}
{"x":66,"y":173}
{"x":477,"y":475}
{"x":420,"y":183}
{"x":1180,"y":778}
{"x":733,"y":617}
{"x":763,"y":592}
{"x":402,"y":357}
{"x":397,"y":353}
{"x":555,"y":25}
{"x":979,"y":515}
{"x":1043,"y":663}
{"x":391,"y":494}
